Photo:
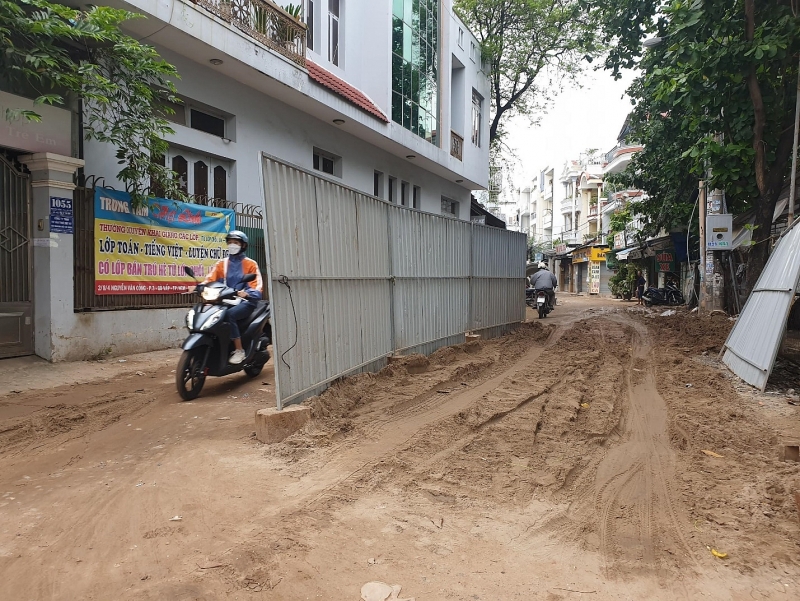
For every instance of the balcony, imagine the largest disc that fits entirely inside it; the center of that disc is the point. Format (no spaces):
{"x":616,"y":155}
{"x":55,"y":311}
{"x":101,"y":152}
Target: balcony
{"x":456,"y":146}
{"x":265,"y":22}
{"x":566,"y":206}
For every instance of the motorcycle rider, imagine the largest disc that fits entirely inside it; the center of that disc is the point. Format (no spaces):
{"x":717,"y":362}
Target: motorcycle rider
{"x":231,"y":271}
{"x":546,"y":281}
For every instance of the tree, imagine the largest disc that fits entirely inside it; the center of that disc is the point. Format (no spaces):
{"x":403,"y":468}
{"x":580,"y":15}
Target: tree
{"x":716,"y":101}
{"x":529,"y":44}
{"x":56,"y":53}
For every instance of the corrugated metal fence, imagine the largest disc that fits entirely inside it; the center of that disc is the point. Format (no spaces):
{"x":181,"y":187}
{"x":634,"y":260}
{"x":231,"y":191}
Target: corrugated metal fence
{"x":355,"y":279}
{"x":753,"y":344}
{"x":248,"y":219}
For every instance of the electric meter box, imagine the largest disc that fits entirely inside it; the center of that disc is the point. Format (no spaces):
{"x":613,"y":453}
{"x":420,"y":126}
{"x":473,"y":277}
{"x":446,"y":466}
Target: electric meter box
{"x":719,"y":232}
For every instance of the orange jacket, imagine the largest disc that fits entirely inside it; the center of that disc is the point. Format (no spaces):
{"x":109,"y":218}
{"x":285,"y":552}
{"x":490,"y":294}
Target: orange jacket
{"x":220,"y":274}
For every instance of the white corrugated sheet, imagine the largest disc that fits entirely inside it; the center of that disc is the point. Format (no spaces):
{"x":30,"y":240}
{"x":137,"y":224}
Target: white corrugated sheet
{"x":354,"y":279}
{"x":753,"y":343}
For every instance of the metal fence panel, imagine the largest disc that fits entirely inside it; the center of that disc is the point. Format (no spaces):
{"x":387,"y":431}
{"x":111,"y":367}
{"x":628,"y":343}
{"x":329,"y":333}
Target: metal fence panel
{"x":752,"y":345}
{"x":355,"y":279}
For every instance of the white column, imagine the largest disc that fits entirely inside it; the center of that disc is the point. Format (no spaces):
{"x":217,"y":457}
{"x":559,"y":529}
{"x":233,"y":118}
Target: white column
{"x":53,"y":257}
{"x":574,"y":207}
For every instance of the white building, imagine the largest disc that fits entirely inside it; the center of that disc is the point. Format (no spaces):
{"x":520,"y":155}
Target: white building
{"x":392,"y":105}
{"x":384,"y":96}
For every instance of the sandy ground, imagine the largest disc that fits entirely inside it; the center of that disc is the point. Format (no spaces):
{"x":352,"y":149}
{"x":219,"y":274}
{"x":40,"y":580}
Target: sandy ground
{"x":564,"y":461}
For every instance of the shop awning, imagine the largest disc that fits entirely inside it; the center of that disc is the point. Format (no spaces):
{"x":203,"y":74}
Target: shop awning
{"x":622,"y":255}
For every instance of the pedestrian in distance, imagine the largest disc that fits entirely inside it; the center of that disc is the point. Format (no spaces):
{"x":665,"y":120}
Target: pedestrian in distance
{"x":640,"y":284}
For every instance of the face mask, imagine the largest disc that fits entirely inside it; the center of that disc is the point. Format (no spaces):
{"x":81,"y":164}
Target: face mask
{"x":234,"y":248}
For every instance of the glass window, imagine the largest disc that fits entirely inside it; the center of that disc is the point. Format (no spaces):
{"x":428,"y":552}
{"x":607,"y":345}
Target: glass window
{"x":392,"y":189}
{"x":460,"y":38}
{"x":404,"y":193}
{"x":477,"y":118}
{"x":415,"y":56}
{"x":377,"y":184}
{"x":333,"y":32}
{"x":327,"y":162}
{"x":201,"y":182}
{"x":310,"y":24}
{"x":417,"y":197}
{"x":181,"y":168}
{"x":220,"y":183}
{"x":208,"y":123}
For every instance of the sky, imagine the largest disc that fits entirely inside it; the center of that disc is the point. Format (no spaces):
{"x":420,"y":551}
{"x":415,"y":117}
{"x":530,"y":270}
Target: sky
{"x":578,"y":118}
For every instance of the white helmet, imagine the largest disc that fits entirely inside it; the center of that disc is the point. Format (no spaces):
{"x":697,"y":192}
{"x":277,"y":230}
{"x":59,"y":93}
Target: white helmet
{"x":542,"y":265}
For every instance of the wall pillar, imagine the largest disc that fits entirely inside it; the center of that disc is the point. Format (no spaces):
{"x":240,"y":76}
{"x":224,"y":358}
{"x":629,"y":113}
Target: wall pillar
{"x":53,"y":257}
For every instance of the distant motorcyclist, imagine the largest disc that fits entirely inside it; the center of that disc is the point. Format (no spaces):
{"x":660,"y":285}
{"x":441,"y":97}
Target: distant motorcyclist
{"x":546,"y":281}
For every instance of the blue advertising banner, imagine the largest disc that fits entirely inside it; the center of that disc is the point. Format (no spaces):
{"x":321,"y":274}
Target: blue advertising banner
{"x":144,"y":250}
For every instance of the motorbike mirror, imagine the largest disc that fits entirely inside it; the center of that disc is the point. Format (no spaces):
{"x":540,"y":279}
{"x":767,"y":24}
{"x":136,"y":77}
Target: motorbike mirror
{"x":249,"y":277}
{"x":188,"y":271}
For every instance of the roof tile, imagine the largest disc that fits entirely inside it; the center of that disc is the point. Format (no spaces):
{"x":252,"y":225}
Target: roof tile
{"x":344,"y":89}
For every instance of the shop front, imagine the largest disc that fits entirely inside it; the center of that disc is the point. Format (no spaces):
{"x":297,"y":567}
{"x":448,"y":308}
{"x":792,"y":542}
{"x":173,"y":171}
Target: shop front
{"x":591,"y":272}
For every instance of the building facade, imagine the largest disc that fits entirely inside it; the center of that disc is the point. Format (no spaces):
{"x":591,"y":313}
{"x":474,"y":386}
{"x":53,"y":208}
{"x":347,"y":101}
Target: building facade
{"x":387,"y":97}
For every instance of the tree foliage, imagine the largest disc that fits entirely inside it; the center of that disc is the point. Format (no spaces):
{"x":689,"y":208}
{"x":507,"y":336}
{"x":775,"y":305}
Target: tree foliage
{"x":715,"y":101}
{"x":56,"y":52}
{"x":530,"y":46}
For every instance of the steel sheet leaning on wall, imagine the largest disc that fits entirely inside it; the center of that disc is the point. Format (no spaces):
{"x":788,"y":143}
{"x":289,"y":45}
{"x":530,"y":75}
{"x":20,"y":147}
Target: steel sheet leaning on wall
{"x":753,"y":344}
{"x":354,"y":279}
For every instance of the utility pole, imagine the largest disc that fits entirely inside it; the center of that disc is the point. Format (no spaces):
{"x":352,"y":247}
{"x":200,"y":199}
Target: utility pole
{"x":703,"y":271}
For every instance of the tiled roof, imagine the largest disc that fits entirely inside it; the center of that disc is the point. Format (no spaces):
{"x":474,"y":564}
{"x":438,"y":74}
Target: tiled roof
{"x":344,"y":89}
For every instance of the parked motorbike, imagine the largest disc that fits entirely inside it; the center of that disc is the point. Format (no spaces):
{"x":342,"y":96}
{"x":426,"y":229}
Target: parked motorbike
{"x":538,"y":300}
{"x":669,"y":295}
{"x":208,"y":347}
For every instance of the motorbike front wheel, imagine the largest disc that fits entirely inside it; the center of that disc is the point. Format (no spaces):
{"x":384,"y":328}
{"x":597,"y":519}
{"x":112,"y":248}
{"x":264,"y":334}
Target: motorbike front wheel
{"x":190,"y":375}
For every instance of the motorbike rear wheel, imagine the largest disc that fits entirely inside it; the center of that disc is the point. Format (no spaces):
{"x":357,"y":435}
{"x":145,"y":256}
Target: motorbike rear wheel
{"x":190,"y":375}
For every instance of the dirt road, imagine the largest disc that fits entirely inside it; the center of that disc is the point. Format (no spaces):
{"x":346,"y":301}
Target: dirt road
{"x":564,"y":461}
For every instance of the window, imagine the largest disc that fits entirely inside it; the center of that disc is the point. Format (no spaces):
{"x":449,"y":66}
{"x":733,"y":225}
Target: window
{"x":310,"y":24}
{"x":201,"y":182}
{"x":377,"y":184}
{"x":327,"y":163}
{"x":404,"y":193}
{"x":199,"y":174}
{"x":181,"y":168}
{"x":449,"y":207}
{"x":477,"y":118}
{"x":220,"y":183}
{"x":416,"y":197}
{"x":473,"y":51}
{"x":392,"y":190}
{"x":208,"y":123}
{"x":333,"y":31}
{"x":415,"y":67}
{"x":460,"y":38}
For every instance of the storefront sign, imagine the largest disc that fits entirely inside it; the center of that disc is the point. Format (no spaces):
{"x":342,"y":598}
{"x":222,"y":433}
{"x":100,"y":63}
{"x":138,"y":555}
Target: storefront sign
{"x":52,"y":134}
{"x":594,"y":277}
{"x":666,"y":260}
{"x":61,"y":218}
{"x":619,"y":240}
{"x":561,"y":249}
{"x":143,"y":251}
{"x":581,"y":255}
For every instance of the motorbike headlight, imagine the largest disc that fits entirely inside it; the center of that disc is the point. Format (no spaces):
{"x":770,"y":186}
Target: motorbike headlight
{"x":211,"y":294}
{"x":190,"y":319}
{"x":211,"y":321}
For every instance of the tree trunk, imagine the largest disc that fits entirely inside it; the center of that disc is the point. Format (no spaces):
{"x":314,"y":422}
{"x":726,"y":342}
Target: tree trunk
{"x":758,"y":254}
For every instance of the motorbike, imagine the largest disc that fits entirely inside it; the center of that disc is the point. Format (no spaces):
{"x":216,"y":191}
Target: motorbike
{"x":208,"y":346}
{"x":537,"y":300}
{"x":669,"y":295}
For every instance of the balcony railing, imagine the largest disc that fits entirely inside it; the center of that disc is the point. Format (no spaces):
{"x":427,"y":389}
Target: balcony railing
{"x":265,"y":22}
{"x":456,"y":146}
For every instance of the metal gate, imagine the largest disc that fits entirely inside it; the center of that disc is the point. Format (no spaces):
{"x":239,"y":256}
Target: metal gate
{"x":16,"y":290}
{"x":354,"y":279}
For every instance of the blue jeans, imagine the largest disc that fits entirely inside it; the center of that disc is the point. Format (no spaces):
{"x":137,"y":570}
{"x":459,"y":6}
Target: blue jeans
{"x":239,"y":313}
